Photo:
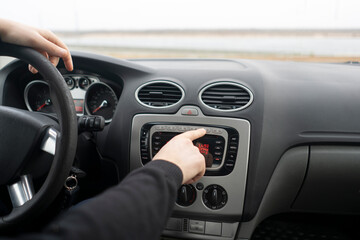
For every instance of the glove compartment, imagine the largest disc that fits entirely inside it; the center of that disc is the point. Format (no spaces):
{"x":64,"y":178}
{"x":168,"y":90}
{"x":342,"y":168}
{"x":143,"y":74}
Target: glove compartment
{"x":332,"y":182}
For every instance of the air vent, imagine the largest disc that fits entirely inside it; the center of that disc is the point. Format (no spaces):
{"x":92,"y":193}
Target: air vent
{"x":226,"y":96}
{"x":159,"y":94}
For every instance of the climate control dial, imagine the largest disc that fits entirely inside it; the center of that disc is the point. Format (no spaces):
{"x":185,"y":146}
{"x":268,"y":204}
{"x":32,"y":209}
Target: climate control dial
{"x":215,"y":197}
{"x":186,"y":195}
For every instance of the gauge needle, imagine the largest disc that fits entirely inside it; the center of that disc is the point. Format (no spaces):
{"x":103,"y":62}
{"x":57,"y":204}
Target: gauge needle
{"x":47,"y":102}
{"x":103,"y":104}
{"x":39,"y":108}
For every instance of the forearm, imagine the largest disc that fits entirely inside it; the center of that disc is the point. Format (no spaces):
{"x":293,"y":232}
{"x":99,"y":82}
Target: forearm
{"x":138,"y":208}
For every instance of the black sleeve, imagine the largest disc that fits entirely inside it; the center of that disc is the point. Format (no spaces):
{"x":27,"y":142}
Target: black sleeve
{"x":137,"y":208}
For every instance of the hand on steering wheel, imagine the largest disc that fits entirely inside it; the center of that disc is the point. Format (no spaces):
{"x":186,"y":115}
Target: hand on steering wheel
{"x":44,"y":41}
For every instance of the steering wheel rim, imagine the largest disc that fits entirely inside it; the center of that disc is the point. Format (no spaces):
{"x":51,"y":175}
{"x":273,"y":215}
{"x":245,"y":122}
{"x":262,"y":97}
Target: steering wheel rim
{"x":66,"y":141}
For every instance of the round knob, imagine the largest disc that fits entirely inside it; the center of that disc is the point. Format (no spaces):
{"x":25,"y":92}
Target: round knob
{"x":186,"y":195}
{"x":70,"y":82}
{"x":84,"y":82}
{"x":214,"y":197}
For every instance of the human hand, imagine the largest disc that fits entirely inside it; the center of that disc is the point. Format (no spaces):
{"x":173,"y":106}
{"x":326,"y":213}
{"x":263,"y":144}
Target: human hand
{"x":181,"y":151}
{"x":44,"y":41}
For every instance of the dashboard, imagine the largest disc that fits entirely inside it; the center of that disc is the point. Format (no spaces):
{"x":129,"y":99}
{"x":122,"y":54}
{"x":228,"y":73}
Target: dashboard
{"x":277,"y":132}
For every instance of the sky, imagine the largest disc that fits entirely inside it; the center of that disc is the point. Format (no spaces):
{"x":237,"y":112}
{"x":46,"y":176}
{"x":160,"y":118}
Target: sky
{"x":89,"y":15}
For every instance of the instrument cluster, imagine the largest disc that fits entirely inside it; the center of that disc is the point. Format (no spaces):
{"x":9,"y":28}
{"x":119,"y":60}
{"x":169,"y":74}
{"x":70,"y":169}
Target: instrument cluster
{"x":91,"y":96}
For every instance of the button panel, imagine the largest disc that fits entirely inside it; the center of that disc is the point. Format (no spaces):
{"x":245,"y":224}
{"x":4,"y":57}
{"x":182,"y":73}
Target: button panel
{"x":232,"y":152}
{"x":144,"y":145}
{"x":195,"y":228}
{"x":184,"y":128}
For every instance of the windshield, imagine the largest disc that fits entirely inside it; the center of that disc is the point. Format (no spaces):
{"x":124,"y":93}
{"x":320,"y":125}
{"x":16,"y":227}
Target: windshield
{"x":297,"y":30}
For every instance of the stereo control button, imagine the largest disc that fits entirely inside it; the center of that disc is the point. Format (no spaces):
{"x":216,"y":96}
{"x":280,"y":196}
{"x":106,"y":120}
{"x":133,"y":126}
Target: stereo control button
{"x":218,"y":153}
{"x":234,"y":148}
{"x":232,"y":156}
{"x":160,"y":127}
{"x":218,"y":131}
{"x":234,"y":138}
{"x":144,"y":159}
{"x":218,"y":147}
{"x":229,"y":165}
{"x":182,"y":129}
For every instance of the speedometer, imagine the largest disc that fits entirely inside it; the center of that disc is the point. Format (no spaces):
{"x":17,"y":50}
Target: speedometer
{"x":37,"y":97}
{"x":100,"y":100}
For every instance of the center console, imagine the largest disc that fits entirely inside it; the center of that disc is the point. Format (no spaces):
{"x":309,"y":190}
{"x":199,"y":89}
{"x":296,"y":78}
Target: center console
{"x":211,"y":207}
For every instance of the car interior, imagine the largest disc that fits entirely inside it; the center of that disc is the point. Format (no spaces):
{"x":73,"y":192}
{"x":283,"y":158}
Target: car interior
{"x":282,"y":143}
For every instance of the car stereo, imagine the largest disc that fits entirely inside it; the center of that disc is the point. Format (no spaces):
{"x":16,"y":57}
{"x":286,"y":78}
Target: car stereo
{"x":219,"y":145}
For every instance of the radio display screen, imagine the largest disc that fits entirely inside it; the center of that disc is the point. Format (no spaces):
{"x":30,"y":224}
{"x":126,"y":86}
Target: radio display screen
{"x":210,"y":146}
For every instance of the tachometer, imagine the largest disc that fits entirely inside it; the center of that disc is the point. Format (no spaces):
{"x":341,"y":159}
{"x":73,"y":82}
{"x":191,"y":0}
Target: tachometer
{"x":100,"y":100}
{"x":37,"y":97}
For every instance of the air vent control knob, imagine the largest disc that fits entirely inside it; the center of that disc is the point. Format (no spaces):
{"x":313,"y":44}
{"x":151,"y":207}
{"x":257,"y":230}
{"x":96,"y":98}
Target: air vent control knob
{"x":215,"y":197}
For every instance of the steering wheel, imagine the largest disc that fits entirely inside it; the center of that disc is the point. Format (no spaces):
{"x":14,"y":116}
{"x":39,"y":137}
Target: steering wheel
{"x":23,"y":133}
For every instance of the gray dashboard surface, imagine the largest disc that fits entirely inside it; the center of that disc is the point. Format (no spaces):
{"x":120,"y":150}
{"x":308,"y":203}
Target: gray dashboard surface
{"x":294,"y":104}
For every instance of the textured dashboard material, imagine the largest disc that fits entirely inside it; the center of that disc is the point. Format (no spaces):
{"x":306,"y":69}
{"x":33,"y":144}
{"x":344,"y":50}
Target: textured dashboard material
{"x":294,"y":104}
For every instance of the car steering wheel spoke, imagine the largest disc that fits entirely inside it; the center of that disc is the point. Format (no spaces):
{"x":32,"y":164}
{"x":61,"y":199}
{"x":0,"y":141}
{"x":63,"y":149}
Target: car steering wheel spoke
{"x":48,"y":143}
{"x":21,"y":191}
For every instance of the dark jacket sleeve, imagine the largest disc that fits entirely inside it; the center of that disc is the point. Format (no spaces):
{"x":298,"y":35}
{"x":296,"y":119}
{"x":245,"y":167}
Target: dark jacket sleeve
{"x":137,"y":208}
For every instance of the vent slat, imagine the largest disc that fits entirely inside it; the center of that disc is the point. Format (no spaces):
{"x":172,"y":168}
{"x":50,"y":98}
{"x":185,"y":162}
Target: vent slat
{"x":229,"y":103}
{"x":226,"y":89}
{"x":226,"y":97}
{"x":149,"y":98}
{"x":159,"y":100}
{"x":160,"y":90}
{"x":158,"y":85}
{"x":159,"y":94}
{"x":217,"y":93}
{"x":164,"y":94}
{"x":221,"y":98}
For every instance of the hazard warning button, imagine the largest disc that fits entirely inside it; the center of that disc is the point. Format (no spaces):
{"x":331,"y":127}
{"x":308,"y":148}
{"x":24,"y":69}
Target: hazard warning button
{"x":190,"y":112}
